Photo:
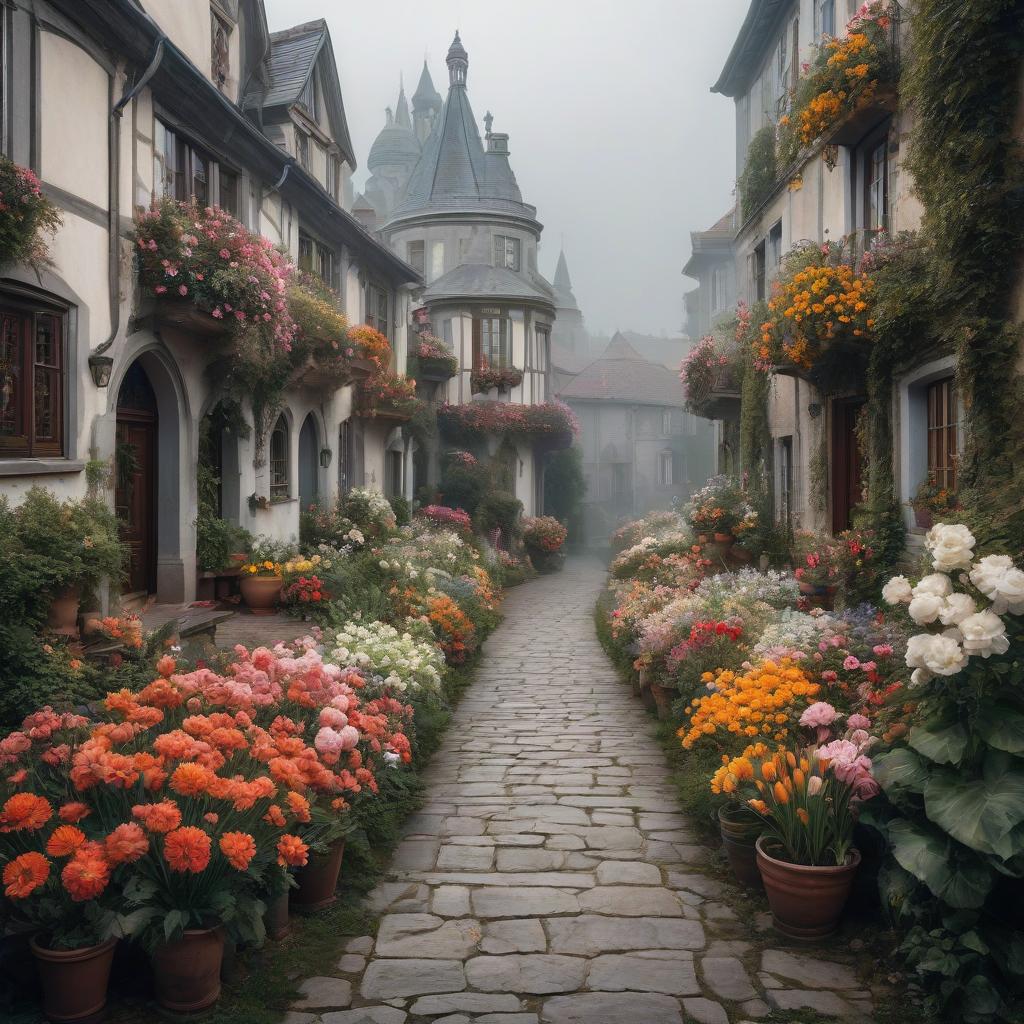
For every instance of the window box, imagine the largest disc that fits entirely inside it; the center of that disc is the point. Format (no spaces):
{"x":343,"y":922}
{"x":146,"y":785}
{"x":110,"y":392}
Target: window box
{"x":503,"y":379}
{"x":383,"y":410}
{"x":859,"y":122}
{"x":185,"y":316}
{"x":434,"y":370}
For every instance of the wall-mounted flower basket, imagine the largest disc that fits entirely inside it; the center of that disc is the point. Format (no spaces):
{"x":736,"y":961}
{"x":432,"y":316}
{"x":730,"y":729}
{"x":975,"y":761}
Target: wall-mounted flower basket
{"x":26,"y":216}
{"x":859,"y":121}
{"x":435,"y":370}
{"x":503,"y":379}
{"x":185,"y":316}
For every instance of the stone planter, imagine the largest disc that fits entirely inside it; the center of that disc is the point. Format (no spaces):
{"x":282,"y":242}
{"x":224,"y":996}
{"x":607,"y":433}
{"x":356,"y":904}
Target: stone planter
{"x":261,"y":593}
{"x":318,"y":880}
{"x":723,"y":538}
{"x":546,"y":561}
{"x":74,"y":981}
{"x":740,"y":831}
{"x":186,"y":973}
{"x":806,"y":902}
{"x":63,"y":617}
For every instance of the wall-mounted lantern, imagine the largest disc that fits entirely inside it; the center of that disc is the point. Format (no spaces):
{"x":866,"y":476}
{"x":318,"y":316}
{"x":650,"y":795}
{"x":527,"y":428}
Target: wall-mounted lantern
{"x":100,"y":367}
{"x":325,"y":457}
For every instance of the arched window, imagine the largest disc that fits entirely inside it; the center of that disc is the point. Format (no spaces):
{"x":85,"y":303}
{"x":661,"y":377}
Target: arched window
{"x":280,"y":486}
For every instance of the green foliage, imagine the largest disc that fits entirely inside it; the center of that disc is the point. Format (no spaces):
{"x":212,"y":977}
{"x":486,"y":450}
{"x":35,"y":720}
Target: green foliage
{"x":464,"y":486}
{"x":400,"y":506}
{"x":760,"y":172}
{"x":564,"y":488}
{"x":499,"y":510}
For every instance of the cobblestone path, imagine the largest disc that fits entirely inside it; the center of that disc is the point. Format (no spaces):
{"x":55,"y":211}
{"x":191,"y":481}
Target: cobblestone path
{"x":550,"y":879}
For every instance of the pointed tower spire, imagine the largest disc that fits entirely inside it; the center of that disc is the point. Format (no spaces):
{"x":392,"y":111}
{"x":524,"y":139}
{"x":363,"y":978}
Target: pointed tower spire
{"x":562,"y":282}
{"x":426,"y":97}
{"x":457,"y":61}
{"x":402,"y":118}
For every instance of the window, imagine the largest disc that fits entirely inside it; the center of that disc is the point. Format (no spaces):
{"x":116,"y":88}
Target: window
{"x":377,"y":306}
{"x":345,"y":457}
{"x":279,"y":484}
{"x":180,"y":169}
{"x":507,"y":252}
{"x":825,"y":18}
{"x":943,"y":417}
{"x":302,"y":148}
{"x":316,"y":258}
{"x":775,"y":248}
{"x":393,"y":473}
{"x":31,"y":381}
{"x":414,"y":256}
{"x":666,"y":422}
{"x":220,"y":54}
{"x":782,"y":75}
{"x":665,"y":469}
{"x":228,"y":188}
{"x":305,"y":253}
{"x":620,"y":479}
{"x":541,"y":362}
{"x":334,"y":178}
{"x":757,"y":271}
{"x":786,"y":479}
{"x":436,"y":260}
{"x":325,"y":264}
{"x":719,"y":289}
{"x":876,"y":191}
{"x":490,"y":341}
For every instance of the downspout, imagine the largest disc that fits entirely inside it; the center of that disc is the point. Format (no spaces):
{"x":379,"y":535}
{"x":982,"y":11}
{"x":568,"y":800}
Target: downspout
{"x":114,"y":201}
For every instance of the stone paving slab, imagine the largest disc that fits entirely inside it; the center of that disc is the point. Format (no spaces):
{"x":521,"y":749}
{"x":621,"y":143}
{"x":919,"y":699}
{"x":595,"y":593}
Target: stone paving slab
{"x":551,"y":878}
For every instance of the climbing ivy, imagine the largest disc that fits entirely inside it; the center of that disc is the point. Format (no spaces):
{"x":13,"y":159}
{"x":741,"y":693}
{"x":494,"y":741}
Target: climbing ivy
{"x":760,"y":172}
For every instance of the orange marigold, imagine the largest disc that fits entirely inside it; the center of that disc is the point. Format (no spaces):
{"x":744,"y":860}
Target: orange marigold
{"x":159,"y":817}
{"x":239,"y":848}
{"x":26,"y":873}
{"x":86,"y":875}
{"x":191,"y":779}
{"x":126,"y":844}
{"x":187,"y":849}
{"x":25,"y":811}
{"x":298,"y":805}
{"x":74,"y":811}
{"x":64,"y":840}
{"x":292,"y":852}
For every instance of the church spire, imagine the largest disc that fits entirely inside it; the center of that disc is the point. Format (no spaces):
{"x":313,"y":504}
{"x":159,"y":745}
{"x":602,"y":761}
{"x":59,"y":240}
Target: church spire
{"x":457,"y":61}
{"x":402,"y":118}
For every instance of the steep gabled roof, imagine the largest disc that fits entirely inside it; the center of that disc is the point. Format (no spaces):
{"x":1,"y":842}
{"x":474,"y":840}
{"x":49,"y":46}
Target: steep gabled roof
{"x":294,"y":55}
{"x":622,"y":376}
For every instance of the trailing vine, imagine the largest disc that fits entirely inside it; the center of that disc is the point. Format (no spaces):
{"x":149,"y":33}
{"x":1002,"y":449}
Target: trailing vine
{"x":760,"y":172}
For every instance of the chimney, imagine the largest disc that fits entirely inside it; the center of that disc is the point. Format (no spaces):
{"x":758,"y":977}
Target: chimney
{"x":497,"y":142}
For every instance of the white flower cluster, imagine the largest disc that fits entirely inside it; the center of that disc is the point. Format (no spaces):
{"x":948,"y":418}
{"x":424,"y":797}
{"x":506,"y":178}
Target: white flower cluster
{"x":969,"y":631}
{"x":397,"y":660}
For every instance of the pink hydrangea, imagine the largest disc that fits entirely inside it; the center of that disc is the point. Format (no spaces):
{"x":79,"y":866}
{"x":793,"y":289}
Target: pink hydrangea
{"x":818,"y":715}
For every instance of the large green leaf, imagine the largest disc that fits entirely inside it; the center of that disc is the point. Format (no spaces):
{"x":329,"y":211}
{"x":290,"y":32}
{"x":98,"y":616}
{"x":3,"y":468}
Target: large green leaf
{"x":1001,"y":725}
{"x":981,"y":1000}
{"x":984,"y":812}
{"x":899,"y":769}
{"x":943,"y":743}
{"x":960,"y":879}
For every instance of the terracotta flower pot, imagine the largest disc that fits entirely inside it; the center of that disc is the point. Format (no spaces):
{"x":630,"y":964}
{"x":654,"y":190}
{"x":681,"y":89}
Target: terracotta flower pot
{"x":74,"y":980}
{"x":261,"y":593}
{"x":276,"y":919}
{"x":63,"y":616}
{"x":739,"y":836}
{"x":663,"y":697}
{"x":186,"y":973}
{"x":806,"y":902}
{"x":723,"y":538}
{"x":318,"y":880}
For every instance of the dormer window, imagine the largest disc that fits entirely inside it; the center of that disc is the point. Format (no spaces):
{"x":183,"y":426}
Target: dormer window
{"x":507,"y":252}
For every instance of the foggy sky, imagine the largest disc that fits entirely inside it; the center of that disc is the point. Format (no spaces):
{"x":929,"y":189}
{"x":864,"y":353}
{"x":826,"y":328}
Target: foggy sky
{"x":614,"y":135}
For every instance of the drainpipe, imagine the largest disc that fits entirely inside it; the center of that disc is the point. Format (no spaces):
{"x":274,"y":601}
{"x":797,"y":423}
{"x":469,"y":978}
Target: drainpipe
{"x":99,"y":363}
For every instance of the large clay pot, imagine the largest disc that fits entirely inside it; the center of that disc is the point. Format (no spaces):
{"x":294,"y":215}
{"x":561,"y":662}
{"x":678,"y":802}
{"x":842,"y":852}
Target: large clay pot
{"x":318,"y":880}
{"x":276,"y":919}
{"x":663,"y":697}
{"x":723,"y":538}
{"x":74,"y":980}
{"x":261,"y":593}
{"x":63,"y":616}
{"x":806,"y":902}
{"x":186,"y":973}
{"x":740,"y":832}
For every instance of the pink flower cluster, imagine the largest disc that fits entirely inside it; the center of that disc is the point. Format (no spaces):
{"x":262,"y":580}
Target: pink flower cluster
{"x":546,"y":419}
{"x":442,"y":515}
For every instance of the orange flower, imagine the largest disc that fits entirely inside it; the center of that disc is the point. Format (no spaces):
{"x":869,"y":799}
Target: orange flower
{"x":64,"y":841}
{"x":298,"y":805}
{"x":187,"y":849}
{"x":126,"y":844}
{"x":781,"y":793}
{"x":25,"y":874}
{"x":292,"y":852}
{"x":191,"y":779}
{"x":86,"y":875}
{"x":166,"y":665}
{"x":274,"y":816}
{"x":239,"y":848}
{"x":74,"y":812}
{"x":803,"y":815}
{"x":25,"y":811}
{"x":161,"y":817}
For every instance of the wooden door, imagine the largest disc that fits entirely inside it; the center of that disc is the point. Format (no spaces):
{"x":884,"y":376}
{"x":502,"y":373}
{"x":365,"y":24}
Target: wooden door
{"x":846,"y":462}
{"x":135,"y":497}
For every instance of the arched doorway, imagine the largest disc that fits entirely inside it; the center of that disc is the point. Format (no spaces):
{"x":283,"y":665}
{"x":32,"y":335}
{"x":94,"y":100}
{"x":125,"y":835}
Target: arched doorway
{"x":309,"y":462}
{"x":135,"y":470}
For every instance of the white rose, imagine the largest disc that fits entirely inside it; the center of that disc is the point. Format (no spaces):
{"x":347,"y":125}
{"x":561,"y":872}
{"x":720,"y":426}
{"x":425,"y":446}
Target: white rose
{"x":984,"y":634}
{"x":916,"y":647}
{"x":1002,"y":582}
{"x":919,"y":676}
{"x":897,"y":591}
{"x":925,"y":608}
{"x":958,"y":607}
{"x":951,"y":545}
{"x":943,"y":656}
{"x":938,"y":583}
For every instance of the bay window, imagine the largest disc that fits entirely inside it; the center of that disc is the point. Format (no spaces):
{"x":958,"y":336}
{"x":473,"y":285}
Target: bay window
{"x":491,"y":346}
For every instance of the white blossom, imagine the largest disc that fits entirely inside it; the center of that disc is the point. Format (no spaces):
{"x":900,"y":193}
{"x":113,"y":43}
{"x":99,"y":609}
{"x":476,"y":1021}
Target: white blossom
{"x":951,"y":546}
{"x":984,"y":634}
{"x":897,"y":591}
{"x":1001,"y":581}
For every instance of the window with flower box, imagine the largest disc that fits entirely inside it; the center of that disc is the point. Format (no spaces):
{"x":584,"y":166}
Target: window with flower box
{"x":943,"y":423}
{"x":32,"y":380}
{"x":491,"y":346}
{"x":378,"y":307}
{"x":280,"y":485}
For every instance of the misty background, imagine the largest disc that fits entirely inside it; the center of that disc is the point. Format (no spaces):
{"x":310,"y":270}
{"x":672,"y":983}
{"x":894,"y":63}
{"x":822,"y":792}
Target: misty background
{"x":614,"y":134}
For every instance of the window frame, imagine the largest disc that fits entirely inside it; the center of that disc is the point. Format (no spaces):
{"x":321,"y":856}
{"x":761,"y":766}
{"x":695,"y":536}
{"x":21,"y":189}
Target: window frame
{"x":279,"y":477}
{"x":27,"y":443}
{"x":511,"y":257}
{"x":504,"y":335}
{"x":301,"y":148}
{"x":665,"y":467}
{"x":942,"y":431}
{"x":376,"y":298}
{"x":416,"y":255}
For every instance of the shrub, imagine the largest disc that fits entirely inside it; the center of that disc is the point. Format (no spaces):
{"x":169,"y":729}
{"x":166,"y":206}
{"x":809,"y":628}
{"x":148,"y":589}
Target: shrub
{"x":564,"y":488}
{"x":499,"y":510}
{"x":464,"y":483}
{"x":544,"y":533}
{"x":760,"y":173}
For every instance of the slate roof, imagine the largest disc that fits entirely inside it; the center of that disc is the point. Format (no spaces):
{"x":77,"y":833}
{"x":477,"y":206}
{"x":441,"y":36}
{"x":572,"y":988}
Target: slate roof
{"x":756,"y":36}
{"x":481,"y":280}
{"x":426,"y":96}
{"x":621,"y":375}
{"x":455,"y":174}
{"x":563,"y":285}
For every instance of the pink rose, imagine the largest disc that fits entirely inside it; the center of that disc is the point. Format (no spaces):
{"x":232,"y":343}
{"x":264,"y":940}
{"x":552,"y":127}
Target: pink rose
{"x":882,"y":650}
{"x":851,"y":662}
{"x":858,"y":722}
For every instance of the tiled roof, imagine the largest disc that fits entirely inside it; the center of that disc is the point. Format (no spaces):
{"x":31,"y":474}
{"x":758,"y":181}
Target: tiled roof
{"x":481,"y":280}
{"x":622,"y":375}
{"x":292,"y":55}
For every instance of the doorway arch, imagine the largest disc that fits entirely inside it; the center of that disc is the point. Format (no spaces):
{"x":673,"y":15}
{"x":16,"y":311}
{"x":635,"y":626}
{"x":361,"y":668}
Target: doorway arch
{"x":309,"y":462}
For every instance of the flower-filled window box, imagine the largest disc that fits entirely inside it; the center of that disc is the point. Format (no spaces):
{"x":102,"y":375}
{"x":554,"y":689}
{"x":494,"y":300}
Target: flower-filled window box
{"x":819,"y":314}
{"x":848,"y":87}
{"x":386,"y":396}
{"x":431,"y":360}
{"x":321,"y":351}
{"x":486,"y":378}
{"x":26,"y":215}
{"x":710,"y":376}
{"x":551,"y":425}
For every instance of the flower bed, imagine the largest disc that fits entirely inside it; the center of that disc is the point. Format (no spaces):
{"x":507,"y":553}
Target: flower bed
{"x":442,"y":515}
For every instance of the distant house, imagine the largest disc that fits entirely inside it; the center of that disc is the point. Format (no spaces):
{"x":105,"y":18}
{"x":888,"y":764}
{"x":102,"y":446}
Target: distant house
{"x":641,"y":449}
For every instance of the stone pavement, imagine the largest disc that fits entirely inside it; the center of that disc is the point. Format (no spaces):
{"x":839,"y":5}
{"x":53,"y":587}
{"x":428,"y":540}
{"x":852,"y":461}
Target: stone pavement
{"x":551,"y":879}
